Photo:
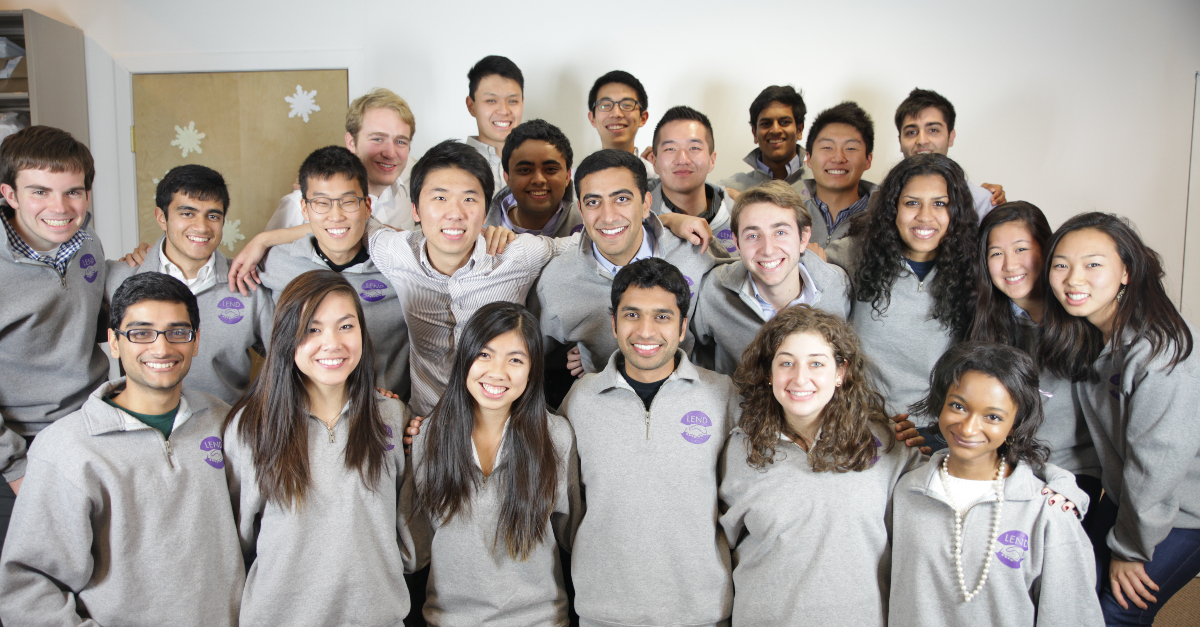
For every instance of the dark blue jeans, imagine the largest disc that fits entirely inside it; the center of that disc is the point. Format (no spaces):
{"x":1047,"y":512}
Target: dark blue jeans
{"x":1176,"y":562}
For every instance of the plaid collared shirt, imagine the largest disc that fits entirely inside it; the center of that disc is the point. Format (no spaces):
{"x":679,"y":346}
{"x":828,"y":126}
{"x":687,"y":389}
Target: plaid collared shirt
{"x":58,"y":261}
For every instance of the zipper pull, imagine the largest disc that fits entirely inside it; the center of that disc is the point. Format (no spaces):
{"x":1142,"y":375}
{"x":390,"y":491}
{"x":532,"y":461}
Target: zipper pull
{"x":168,"y":443}
{"x":920,"y":286}
{"x":647,"y":424}
{"x":330,"y":433}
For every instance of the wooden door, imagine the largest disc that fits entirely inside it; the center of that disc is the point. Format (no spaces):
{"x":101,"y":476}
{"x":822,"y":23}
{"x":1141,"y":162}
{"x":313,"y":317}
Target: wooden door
{"x":255,"y":128}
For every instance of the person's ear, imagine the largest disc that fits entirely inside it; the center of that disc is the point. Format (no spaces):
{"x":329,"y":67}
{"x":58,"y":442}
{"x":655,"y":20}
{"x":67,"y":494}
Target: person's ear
{"x":196,"y":343}
{"x":683,"y":329}
{"x":10,"y":194}
{"x":869,"y":161}
{"x":350,"y":143}
{"x":112,"y":345}
{"x":645,"y":118}
{"x":805,"y":236}
{"x":160,"y":216}
{"x":592,"y":119}
{"x":647,"y":202}
{"x":952,"y":135}
{"x":471,"y":106}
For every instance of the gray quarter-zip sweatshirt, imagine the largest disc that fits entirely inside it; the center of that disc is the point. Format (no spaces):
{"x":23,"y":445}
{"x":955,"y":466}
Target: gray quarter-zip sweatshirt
{"x":472,"y":578}
{"x":1042,"y":572}
{"x":720,"y":207}
{"x":117,"y":525}
{"x":574,"y":293}
{"x":383,"y":309}
{"x":728,"y":317}
{"x":341,"y":559}
{"x":904,"y":343}
{"x":754,"y":177}
{"x":230,"y":326}
{"x":569,"y":222}
{"x":1064,"y":429}
{"x":793,"y":530}
{"x":650,"y":549}
{"x":1143,"y":419}
{"x":824,"y":234}
{"x":50,"y":326}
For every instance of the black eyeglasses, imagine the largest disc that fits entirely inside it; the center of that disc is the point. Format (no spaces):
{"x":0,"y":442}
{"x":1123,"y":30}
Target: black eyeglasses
{"x":349,"y":204}
{"x":607,"y":104}
{"x":149,"y":336}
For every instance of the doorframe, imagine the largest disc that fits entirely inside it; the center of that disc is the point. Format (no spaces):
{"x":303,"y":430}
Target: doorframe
{"x":1189,"y":300}
{"x":119,"y":216}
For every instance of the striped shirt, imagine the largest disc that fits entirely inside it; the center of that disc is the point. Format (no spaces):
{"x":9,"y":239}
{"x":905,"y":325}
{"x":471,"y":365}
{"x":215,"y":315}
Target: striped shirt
{"x":57,"y":258}
{"x":437,"y":307}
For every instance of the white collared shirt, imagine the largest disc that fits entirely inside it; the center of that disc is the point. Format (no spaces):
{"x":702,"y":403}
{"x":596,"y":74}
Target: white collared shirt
{"x":493,"y":159}
{"x":393,"y":207}
{"x":204,"y":276}
{"x":645,"y":251}
{"x":808,"y":293}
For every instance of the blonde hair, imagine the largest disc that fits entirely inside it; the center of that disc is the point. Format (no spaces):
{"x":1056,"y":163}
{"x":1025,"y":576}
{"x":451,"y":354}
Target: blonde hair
{"x":777,"y":193}
{"x":378,"y":98}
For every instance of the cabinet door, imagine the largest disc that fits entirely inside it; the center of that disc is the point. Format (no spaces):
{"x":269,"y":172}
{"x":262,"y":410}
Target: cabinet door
{"x":255,"y":128}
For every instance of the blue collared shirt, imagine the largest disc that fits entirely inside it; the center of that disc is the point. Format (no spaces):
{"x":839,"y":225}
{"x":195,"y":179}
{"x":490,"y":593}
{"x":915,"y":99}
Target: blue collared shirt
{"x":790,"y":167}
{"x":645,"y":251}
{"x":808,"y":293}
{"x":847,"y":213}
{"x":60,"y":257}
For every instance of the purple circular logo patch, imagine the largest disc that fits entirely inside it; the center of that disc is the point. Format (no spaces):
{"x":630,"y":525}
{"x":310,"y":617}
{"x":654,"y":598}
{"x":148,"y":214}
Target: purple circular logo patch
{"x":696,"y":427}
{"x":88,"y":264}
{"x":691,"y":283}
{"x":577,"y":228}
{"x":231,"y":310}
{"x":372,"y":290}
{"x":1016,"y":544}
{"x":726,"y":238}
{"x":878,"y":445}
{"x":389,"y":445}
{"x":215,"y":455}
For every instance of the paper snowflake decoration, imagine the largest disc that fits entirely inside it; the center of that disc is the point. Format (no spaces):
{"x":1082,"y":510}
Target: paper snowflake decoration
{"x":188,"y":139}
{"x":304,"y":103}
{"x":154,"y":181}
{"x":232,"y":234}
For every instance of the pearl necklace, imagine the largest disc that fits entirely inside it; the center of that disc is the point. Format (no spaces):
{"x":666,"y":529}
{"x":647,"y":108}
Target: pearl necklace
{"x":958,"y":519}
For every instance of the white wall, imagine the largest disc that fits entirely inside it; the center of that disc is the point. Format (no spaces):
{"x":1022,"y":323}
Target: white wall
{"x":1073,"y":106}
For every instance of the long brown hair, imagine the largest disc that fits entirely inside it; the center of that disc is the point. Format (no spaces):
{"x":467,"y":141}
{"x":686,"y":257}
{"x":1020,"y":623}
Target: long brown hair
{"x":1069,"y":346}
{"x":274,"y":421}
{"x":528,"y":472}
{"x":846,"y":440}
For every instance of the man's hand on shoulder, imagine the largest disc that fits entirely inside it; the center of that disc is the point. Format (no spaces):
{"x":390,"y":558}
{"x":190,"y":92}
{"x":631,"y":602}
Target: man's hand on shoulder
{"x":498,"y":238}
{"x":691,"y":228}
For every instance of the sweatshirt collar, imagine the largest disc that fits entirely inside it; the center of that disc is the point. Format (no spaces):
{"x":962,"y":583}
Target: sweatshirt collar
{"x":611,"y":375}
{"x":102,"y":418}
{"x":1021,"y":485}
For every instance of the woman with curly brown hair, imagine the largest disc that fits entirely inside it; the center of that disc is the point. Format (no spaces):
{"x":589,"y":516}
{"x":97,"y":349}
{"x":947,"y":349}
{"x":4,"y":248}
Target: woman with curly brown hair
{"x":813,"y":430}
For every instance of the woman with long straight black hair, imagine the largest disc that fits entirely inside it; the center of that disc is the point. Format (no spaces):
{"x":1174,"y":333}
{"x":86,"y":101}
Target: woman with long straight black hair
{"x":913,"y":267}
{"x":1009,"y":311}
{"x":497,"y":478}
{"x":316,"y":470}
{"x":1110,"y":328}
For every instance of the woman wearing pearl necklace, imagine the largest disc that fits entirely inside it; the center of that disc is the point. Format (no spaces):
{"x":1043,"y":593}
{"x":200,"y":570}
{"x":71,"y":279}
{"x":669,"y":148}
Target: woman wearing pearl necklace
{"x":972,"y":537}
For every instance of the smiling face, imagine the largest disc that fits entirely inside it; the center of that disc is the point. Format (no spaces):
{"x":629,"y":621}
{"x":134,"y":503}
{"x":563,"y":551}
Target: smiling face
{"x":617,"y":128}
{"x":922,"y":216}
{"x":159,"y":365}
{"x":804,"y":376}
{"x":193,"y":227}
{"x":924,"y":133}
{"x":978,"y":415}
{"x":1086,"y":273}
{"x":776,"y":133}
{"x":332,"y":345}
{"x":683,"y":156}
{"x":497,"y":107}
{"x":770,"y":243}
{"x":338,"y":232}
{"x":613,"y":212}
{"x":1014,"y":261}
{"x":537,"y":176}
{"x":649,"y":328}
{"x":49,"y":207}
{"x":382,"y":145}
{"x":451,"y":213}
{"x":500,"y":372}
{"x":839,"y":157}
